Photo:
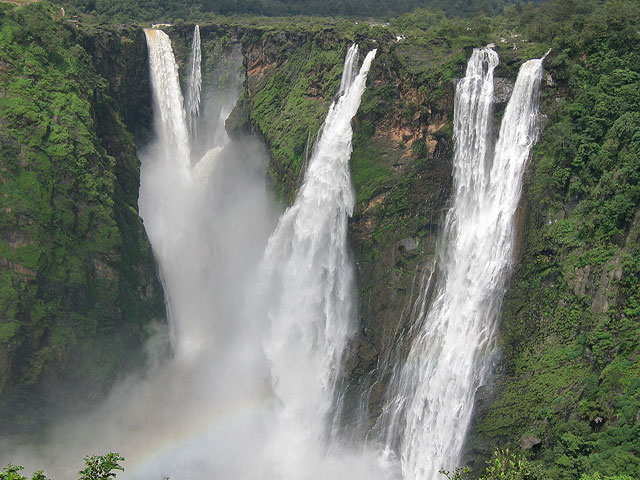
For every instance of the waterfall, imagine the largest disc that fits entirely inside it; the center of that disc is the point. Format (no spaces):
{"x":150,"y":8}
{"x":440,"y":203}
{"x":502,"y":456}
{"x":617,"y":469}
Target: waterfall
{"x":208,"y":214}
{"x":449,"y":358}
{"x":182,"y":200}
{"x":350,"y":68}
{"x":173,"y":141}
{"x":171,"y":126}
{"x":195,"y":82}
{"x":307,"y":283}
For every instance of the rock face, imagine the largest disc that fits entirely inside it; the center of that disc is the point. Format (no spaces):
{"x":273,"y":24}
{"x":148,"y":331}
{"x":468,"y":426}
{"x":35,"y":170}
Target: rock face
{"x":118,"y":55}
{"x":528,"y":442}
{"x":502,"y":90}
{"x":78,"y":281}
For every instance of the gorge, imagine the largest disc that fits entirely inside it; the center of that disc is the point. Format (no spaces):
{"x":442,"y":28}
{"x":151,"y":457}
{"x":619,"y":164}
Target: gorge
{"x":209,"y":213}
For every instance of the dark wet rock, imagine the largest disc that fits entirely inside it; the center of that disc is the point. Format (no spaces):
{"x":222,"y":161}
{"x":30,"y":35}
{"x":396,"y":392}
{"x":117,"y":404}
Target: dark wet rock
{"x":529,"y":442}
{"x":502,"y":88}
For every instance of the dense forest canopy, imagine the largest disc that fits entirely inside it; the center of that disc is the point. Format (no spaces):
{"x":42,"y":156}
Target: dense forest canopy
{"x":188,"y":9}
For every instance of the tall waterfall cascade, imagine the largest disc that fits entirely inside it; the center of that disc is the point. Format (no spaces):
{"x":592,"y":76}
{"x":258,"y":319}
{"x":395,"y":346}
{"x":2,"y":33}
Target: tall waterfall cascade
{"x":452,"y":338}
{"x":307,"y":278}
{"x":262,"y":309}
{"x":162,"y":215}
{"x":275,"y":336}
{"x":194,"y":86}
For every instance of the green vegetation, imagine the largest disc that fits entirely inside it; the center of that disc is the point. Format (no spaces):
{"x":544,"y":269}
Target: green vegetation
{"x":101,"y":467}
{"x":503,"y":465}
{"x":310,"y":76}
{"x":74,"y":256}
{"x":97,"y":467}
{"x":510,"y":465}
{"x":177,"y":11}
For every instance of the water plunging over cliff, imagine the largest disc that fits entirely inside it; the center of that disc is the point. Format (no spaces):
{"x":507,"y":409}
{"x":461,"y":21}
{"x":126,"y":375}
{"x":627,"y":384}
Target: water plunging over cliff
{"x":306,"y":282}
{"x":195,"y":82}
{"x":170,"y":118}
{"x":449,"y":358}
{"x":278,"y":345}
{"x":206,"y":209}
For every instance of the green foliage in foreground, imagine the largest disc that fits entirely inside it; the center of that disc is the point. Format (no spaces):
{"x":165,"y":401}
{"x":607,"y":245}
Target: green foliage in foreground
{"x":97,"y":467}
{"x":513,"y":465}
{"x":12,"y":472}
{"x":504,"y":465}
{"x":101,"y":467}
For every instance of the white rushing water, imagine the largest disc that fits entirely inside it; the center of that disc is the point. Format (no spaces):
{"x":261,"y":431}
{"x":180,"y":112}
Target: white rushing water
{"x":170,"y":118}
{"x":261,"y":313}
{"x":350,"y":71}
{"x":194,"y":86}
{"x":450,"y":354}
{"x":307,"y":284}
{"x":279,"y":345}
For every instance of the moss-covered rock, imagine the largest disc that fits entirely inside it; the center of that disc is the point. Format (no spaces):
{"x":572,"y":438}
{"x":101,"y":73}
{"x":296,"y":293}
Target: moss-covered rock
{"x":78,"y":285}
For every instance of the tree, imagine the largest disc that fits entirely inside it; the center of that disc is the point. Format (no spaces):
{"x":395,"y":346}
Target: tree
{"x":98,"y":467}
{"x":12,"y":472}
{"x":101,"y":467}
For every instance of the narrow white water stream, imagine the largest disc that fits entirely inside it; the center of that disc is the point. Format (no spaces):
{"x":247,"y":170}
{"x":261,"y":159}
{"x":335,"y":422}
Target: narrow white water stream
{"x":170,"y":118}
{"x":194,"y":86}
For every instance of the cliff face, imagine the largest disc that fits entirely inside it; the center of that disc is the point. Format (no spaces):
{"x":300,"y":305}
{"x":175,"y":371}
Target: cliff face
{"x":77,"y":277}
